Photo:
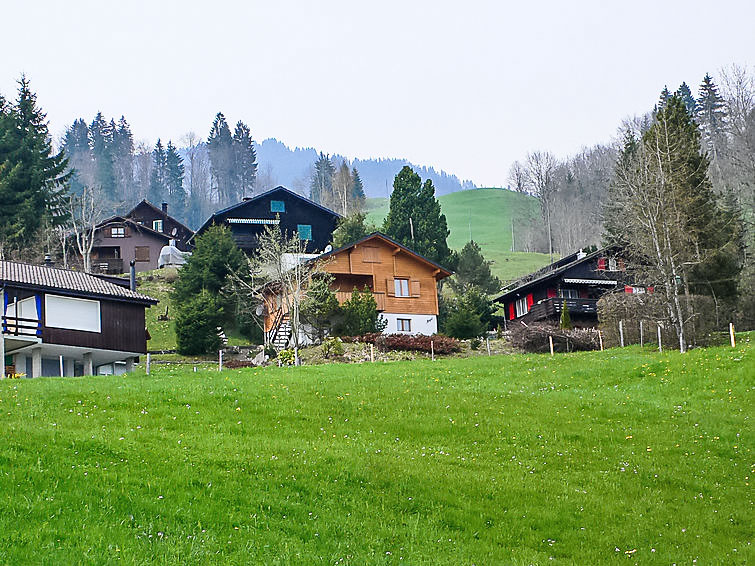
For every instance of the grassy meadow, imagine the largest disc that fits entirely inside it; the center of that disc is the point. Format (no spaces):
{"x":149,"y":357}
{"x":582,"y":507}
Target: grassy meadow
{"x":486,"y":215}
{"x":625,"y":456}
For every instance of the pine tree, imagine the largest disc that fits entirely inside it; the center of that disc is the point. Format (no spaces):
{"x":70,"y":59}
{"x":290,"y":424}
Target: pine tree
{"x":158,"y":179}
{"x":321,"y":183}
{"x":473,"y":270}
{"x":34,"y":181}
{"x":101,"y":143}
{"x":685,"y":94}
{"x":415,"y":219}
{"x":710,"y":112}
{"x":174,"y":178}
{"x":663,"y":99}
{"x":358,"y":197}
{"x":76,"y":146}
{"x":220,"y":148}
{"x":123,"y":160}
{"x":245,"y":158}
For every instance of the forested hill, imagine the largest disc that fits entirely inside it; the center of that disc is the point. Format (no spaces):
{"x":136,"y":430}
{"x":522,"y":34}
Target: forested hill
{"x":292,"y":168}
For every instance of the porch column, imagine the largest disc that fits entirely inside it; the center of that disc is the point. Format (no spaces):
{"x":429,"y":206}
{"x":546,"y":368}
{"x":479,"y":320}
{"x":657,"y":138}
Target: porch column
{"x":69,"y":367}
{"x":129,"y":365}
{"x":19,"y":360}
{"x":36,"y":362}
{"x":88,"y":368}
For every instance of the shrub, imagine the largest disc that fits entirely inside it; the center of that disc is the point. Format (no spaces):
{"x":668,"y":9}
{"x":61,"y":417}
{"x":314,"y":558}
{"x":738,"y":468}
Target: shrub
{"x":360,"y":315}
{"x":475,"y":343}
{"x":320,"y":306}
{"x":468,"y":315}
{"x":270,"y":351}
{"x":565,"y":322}
{"x":413,"y":342}
{"x":534,"y":338}
{"x":332,"y":347}
{"x":197,"y":325}
{"x":287,"y":357}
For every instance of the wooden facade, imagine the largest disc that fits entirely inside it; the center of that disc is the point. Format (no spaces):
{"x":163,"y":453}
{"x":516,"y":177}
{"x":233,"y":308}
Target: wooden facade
{"x":147,"y":214}
{"x":118,"y":240}
{"x":289,"y":212}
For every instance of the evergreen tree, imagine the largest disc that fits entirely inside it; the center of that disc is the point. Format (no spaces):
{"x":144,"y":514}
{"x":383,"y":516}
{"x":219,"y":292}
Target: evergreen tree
{"x":245,"y":158}
{"x":321,"y":183}
{"x":319,"y":307}
{"x":685,"y":94}
{"x":174,"y":178}
{"x":220,"y":149}
{"x":101,"y":143}
{"x":352,"y":228}
{"x":357,"y":192}
{"x":663,"y":99}
{"x":158,"y":179}
{"x":415,"y":219}
{"x":360,"y":315}
{"x":34,"y":181}
{"x":473,"y":270}
{"x":123,"y":160}
{"x":564,"y":323}
{"x":76,"y":146}
{"x":710,"y":112}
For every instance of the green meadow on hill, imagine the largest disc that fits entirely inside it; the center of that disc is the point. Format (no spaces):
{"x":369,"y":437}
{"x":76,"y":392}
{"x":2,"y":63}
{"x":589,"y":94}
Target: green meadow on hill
{"x":625,"y":456}
{"x":486,"y":215}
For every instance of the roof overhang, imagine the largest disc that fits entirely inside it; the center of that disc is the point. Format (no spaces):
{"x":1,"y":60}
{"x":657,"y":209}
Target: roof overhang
{"x":606,"y":282}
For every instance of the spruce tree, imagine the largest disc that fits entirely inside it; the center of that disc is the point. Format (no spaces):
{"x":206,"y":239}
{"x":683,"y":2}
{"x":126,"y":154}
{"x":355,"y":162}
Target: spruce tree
{"x":123,"y":160}
{"x":415,"y":219}
{"x":473,"y":270}
{"x":34,"y":181}
{"x":174,"y":178}
{"x":358,"y":197}
{"x":158,"y":178}
{"x":321,"y":183}
{"x":220,"y":149}
{"x":710,"y":113}
{"x":685,"y":94}
{"x":78,"y":152}
{"x":101,"y":142}
{"x":245,"y":161}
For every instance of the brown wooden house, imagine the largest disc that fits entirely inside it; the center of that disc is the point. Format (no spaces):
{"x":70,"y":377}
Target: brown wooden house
{"x":403,"y":283}
{"x":63,"y":322}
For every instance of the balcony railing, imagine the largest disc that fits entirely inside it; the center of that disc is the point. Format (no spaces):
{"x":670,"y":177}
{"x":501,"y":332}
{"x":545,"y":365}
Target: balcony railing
{"x":18,"y":326}
{"x":344,"y":296}
{"x":550,"y":308}
{"x":108,"y":265}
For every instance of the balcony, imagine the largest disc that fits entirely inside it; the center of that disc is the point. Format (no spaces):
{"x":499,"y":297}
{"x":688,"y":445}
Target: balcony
{"x":108,"y":265}
{"x":344,"y":296}
{"x":551,"y":308}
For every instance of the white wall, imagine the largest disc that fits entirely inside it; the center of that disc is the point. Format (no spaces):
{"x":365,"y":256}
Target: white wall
{"x":420,"y":323}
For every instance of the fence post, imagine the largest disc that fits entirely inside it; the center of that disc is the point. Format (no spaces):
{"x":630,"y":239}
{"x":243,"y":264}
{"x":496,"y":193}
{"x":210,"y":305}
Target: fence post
{"x":432,"y":350}
{"x":600,"y":339}
{"x":660,"y":346}
{"x":621,"y":332}
{"x":149,"y":361}
{"x":488,"y":342}
{"x":62,"y":373}
{"x":220,"y":360}
{"x":731,"y":335}
{"x":550,"y":340}
{"x":642,"y":335}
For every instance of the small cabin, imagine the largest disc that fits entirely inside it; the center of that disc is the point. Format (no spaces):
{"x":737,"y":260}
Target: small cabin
{"x":58,"y":322}
{"x":291,"y":213}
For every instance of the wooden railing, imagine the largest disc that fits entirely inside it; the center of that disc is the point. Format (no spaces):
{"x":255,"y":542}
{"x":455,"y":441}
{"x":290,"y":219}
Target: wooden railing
{"x":108,"y":265}
{"x":277,"y":320}
{"x":18,"y":326}
{"x":551,"y":307}
{"x":344,"y":296}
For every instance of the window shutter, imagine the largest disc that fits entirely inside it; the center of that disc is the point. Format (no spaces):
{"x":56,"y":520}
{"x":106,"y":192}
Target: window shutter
{"x":126,"y":231}
{"x":390,"y":287}
{"x":530,"y":300}
{"x":414,"y":288}
{"x":601,"y":264}
{"x":628,"y":289}
{"x":512,"y":312}
{"x":551,"y":293}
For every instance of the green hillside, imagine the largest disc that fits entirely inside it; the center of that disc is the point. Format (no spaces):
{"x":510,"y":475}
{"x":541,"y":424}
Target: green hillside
{"x":486,"y":215}
{"x":623,"y":456}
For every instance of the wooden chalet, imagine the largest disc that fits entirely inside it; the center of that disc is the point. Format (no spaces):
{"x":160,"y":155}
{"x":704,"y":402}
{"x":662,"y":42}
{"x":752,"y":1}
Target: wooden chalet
{"x":62,"y":322}
{"x":403,"y":283}
{"x":291,"y":212}
{"x":140,"y":235}
{"x":578,"y":280}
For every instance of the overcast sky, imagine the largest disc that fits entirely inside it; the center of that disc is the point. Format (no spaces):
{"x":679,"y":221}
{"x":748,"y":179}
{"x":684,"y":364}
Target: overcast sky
{"x":464,"y":86}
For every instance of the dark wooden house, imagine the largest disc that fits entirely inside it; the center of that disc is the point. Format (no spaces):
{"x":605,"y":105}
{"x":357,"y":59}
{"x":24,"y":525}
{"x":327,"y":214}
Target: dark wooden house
{"x":147,"y":214}
{"x":62,"y":322}
{"x":577,"y":280}
{"x":290,"y":212}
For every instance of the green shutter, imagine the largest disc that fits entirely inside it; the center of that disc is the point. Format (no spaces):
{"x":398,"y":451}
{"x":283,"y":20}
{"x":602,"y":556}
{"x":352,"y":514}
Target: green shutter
{"x":305,"y":231}
{"x":277,"y":206}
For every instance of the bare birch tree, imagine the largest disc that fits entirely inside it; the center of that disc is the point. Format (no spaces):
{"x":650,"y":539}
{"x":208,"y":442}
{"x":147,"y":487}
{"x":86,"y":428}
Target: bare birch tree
{"x":86,"y":212}
{"x":540,"y":168}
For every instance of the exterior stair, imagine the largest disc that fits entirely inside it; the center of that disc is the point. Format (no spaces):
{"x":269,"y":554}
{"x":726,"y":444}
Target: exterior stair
{"x":282,"y":335}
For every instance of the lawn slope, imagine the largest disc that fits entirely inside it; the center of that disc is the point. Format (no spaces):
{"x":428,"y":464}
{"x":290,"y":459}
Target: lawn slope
{"x":589,"y":458}
{"x":486,"y":215}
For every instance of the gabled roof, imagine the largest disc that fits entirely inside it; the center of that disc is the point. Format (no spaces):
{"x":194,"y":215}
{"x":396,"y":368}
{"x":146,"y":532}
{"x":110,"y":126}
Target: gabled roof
{"x":392,"y":242}
{"x":269,"y":193}
{"x":66,"y":281}
{"x":550,"y":272}
{"x":126,"y":220}
{"x":159,"y":211}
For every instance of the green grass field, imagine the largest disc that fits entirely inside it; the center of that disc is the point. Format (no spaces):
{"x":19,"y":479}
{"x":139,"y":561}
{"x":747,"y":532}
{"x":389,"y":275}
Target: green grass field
{"x":624,"y":456}
{"x":486,"y":215}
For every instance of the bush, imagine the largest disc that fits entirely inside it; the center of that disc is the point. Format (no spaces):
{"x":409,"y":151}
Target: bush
{"x":197,"y":325}
{"x":417,"y":342}
{"x":534,"y":338}
{"x":332,"y":347}
{"x":360,"y":315}
{"x":287,"y":357}
{"x":468,"y":315}
{"x":475,"y":343}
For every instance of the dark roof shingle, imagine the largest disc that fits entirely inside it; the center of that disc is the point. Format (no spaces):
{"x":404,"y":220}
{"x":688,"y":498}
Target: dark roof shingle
{"x":64,"y":279}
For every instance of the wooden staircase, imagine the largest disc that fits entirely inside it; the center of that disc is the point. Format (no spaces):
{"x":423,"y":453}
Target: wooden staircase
{"x":280,"y":333}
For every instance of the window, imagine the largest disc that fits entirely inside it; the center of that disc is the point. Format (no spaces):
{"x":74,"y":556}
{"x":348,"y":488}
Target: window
{"x":521,"y":306}
{"x":157,"y":225}
{"x":118,"y":232}
{"x":305,"y":231}
{"x":72,"y":314}
{"x":141,"y":253}
{"x":404,"y":325}
{"x":277,"y":206}
{"x":402,"y":287}
{"x":570,"y":293}
{"x":370,"y":254}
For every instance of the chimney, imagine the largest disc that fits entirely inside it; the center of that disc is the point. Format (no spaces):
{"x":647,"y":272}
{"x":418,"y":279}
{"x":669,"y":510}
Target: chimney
{"x":246,"y":198}
{"x":165,"y":208}
{"x":132,"y":273}
{"x":48,"y":261}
